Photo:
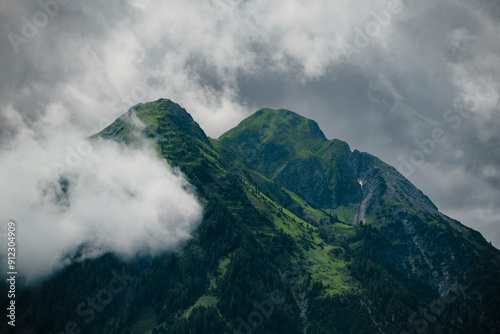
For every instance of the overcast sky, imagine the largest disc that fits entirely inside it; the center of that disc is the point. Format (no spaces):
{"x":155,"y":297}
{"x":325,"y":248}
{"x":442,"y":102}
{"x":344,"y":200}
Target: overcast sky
{"x":415,"y":83}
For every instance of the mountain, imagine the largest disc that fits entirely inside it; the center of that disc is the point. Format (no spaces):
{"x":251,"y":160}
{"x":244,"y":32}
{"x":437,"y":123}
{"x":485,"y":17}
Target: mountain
{"x":293,"y":152}
{"x":300,"y":235}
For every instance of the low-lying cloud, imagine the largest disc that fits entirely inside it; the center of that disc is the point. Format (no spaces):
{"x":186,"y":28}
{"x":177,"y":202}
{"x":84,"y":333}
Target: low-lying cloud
{"x":73,"y":199}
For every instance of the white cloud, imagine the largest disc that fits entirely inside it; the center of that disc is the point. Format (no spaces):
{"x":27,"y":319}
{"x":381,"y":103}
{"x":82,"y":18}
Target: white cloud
{"x":120,"y":200}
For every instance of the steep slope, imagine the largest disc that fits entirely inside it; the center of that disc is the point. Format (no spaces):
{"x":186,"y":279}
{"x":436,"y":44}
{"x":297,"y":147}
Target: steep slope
{"x":425,"y":242}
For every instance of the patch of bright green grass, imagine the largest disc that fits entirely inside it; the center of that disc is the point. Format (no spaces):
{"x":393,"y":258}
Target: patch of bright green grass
{"x":345,"y":214}
{"x":317,"y":214}
{"x":328,"y":270}
{"x":203,"y":301}
{"x":341,"y":228}
{"x":223,"y":265}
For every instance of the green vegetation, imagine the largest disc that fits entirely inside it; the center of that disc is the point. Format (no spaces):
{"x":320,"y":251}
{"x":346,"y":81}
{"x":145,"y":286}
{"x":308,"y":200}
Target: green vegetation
{"x":316,"y":214}
{"x":203,"y":301}
{"x":330,"y":271}
{"x":223,"y":265}
{"x":345,"y":214}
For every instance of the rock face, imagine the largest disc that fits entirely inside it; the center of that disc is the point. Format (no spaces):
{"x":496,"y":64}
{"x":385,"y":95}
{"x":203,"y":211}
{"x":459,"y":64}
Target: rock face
{"x":424,"y":241}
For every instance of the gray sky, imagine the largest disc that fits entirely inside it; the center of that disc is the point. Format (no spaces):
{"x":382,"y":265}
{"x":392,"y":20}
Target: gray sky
{"x":412,"y":81}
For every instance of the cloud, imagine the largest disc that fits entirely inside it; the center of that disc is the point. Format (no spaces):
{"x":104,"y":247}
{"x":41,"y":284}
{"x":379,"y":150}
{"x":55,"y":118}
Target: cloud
{"x":73,"y":199}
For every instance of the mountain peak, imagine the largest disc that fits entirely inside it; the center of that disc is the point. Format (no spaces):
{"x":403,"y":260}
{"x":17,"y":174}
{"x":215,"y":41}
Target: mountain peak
{"x":162,"y":118}
{"x":279,"y":121}
{"x":273,"y":127}
{"x":164,"y":113}
{"x":293,"y":151}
